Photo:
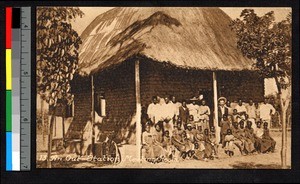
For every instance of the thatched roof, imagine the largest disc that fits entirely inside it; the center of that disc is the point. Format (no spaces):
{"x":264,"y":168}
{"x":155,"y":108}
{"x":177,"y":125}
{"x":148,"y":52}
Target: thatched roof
{"x":194,"y":38}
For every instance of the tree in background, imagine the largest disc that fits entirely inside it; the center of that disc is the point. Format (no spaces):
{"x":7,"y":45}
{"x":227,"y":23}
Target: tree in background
{"x":269,"y":43}
{"x":57,"y":58}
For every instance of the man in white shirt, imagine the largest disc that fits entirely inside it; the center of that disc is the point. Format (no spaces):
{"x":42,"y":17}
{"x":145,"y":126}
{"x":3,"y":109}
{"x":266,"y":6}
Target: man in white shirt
{"x":152,"y":108}
{"x":194,"y":108}
{"x":241,"y":109}
{"x":251,"y":112}
{"x":175,"y":102}
{"x":168,"y":113}
{"x":160,"y":110}
{"x":265,"y":111}
{"x":229,"y":106}
{"x":204,"y":113}
{"x":176,"y":105}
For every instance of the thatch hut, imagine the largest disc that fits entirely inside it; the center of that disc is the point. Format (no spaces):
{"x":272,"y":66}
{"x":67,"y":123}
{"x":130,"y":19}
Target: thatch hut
{"x":131,"y":54}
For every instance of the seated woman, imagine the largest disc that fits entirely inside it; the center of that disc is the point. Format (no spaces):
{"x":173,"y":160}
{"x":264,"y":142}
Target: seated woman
{"x":242,"y":135}
{"x":239,"y":139}
{"x":268,"y":143}
{"x":200,"y":140}
{"x":229,"y":143}
{"x":152,"y":150}
{"x":182,"y":143}
{"x":157,"y":134}
{"x":249,"y":138}
{"x":189,"y":146}
{"x":259,"y":131}
{"x":191,"y":132}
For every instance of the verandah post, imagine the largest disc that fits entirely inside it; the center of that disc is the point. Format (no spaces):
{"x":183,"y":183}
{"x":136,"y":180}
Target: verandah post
{"x":138,"y":109}
{"x":93,"y":116}
{"x":216,"y":118}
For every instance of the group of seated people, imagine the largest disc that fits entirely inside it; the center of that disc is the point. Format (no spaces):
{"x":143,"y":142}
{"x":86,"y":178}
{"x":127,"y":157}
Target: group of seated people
{"x":179,"y":131}
{"x":161,"y":144}
{"x":242,"y":135}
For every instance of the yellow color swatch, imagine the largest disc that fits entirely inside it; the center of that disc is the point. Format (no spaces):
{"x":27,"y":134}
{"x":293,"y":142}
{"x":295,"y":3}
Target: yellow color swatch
{"x":8,"y":69}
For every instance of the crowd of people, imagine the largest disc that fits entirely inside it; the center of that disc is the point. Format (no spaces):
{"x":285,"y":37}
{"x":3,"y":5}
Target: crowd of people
{"x":178,"y":131}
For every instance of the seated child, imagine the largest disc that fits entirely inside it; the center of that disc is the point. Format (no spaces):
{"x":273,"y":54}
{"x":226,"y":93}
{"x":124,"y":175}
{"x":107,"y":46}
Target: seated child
{"x":212,"y":137}
{"x":178,"y":123}
{"x":229,"y":143}
{"x":235,"y":116}
{"x":191,"y":122}
{"x":225,"y":125}
{"x":199,"y":154}
{"x":167,"y":145}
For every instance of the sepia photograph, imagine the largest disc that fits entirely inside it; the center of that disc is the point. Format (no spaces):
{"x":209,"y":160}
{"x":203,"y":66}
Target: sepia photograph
{"x":163,"y":87}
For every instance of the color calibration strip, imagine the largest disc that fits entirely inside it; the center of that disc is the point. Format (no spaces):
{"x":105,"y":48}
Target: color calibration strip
{"x":17,"y":136}
{"x":8,"y":40}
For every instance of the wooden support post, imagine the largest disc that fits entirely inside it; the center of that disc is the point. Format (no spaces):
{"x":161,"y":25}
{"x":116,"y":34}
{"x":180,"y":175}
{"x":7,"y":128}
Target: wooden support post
{"x":138,"y":110}
{"x":50,"y":136}
{"x":93,"y":116}
{"x":43,"y":121}
{"x":63,"y":128}
{"x":216,"y":118}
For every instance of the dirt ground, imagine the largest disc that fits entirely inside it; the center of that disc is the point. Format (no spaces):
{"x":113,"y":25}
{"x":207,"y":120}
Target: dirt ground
{"x":257,"y":161}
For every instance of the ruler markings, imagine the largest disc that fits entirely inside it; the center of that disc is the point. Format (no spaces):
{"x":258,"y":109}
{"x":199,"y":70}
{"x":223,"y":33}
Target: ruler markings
{"x":25,"y":88}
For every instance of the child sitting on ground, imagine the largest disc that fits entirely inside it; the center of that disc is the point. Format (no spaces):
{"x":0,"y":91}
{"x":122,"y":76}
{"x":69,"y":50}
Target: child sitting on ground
{"x":229,"y":143}
{"x":212,"y":137}
{"x":199,"y":153}
{"x":191,"y":122}
{"x":225,"y":124}
{"x":235,"y":116}
{"x":167,"y":145}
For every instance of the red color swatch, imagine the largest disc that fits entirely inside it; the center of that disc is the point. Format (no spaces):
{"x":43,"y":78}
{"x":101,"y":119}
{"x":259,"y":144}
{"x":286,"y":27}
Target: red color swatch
{"x":8,"y":27}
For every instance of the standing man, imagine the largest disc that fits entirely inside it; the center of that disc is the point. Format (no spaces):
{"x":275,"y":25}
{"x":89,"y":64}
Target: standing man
{"x":265,"y":112}
{"x":204,"y":113}
{"x":222,"y":109}
{"x":183,"y":114}
{"x":175,"y":102}
{"x":152,"y":108}
{"x":251,"y":113}
{"x":194,"y":108}
{"x":241,"y":109}
{"x":222,"y":112}
{"x":230,"y":109}
{"x":169,"y":113}
{"x":176,"y":106}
